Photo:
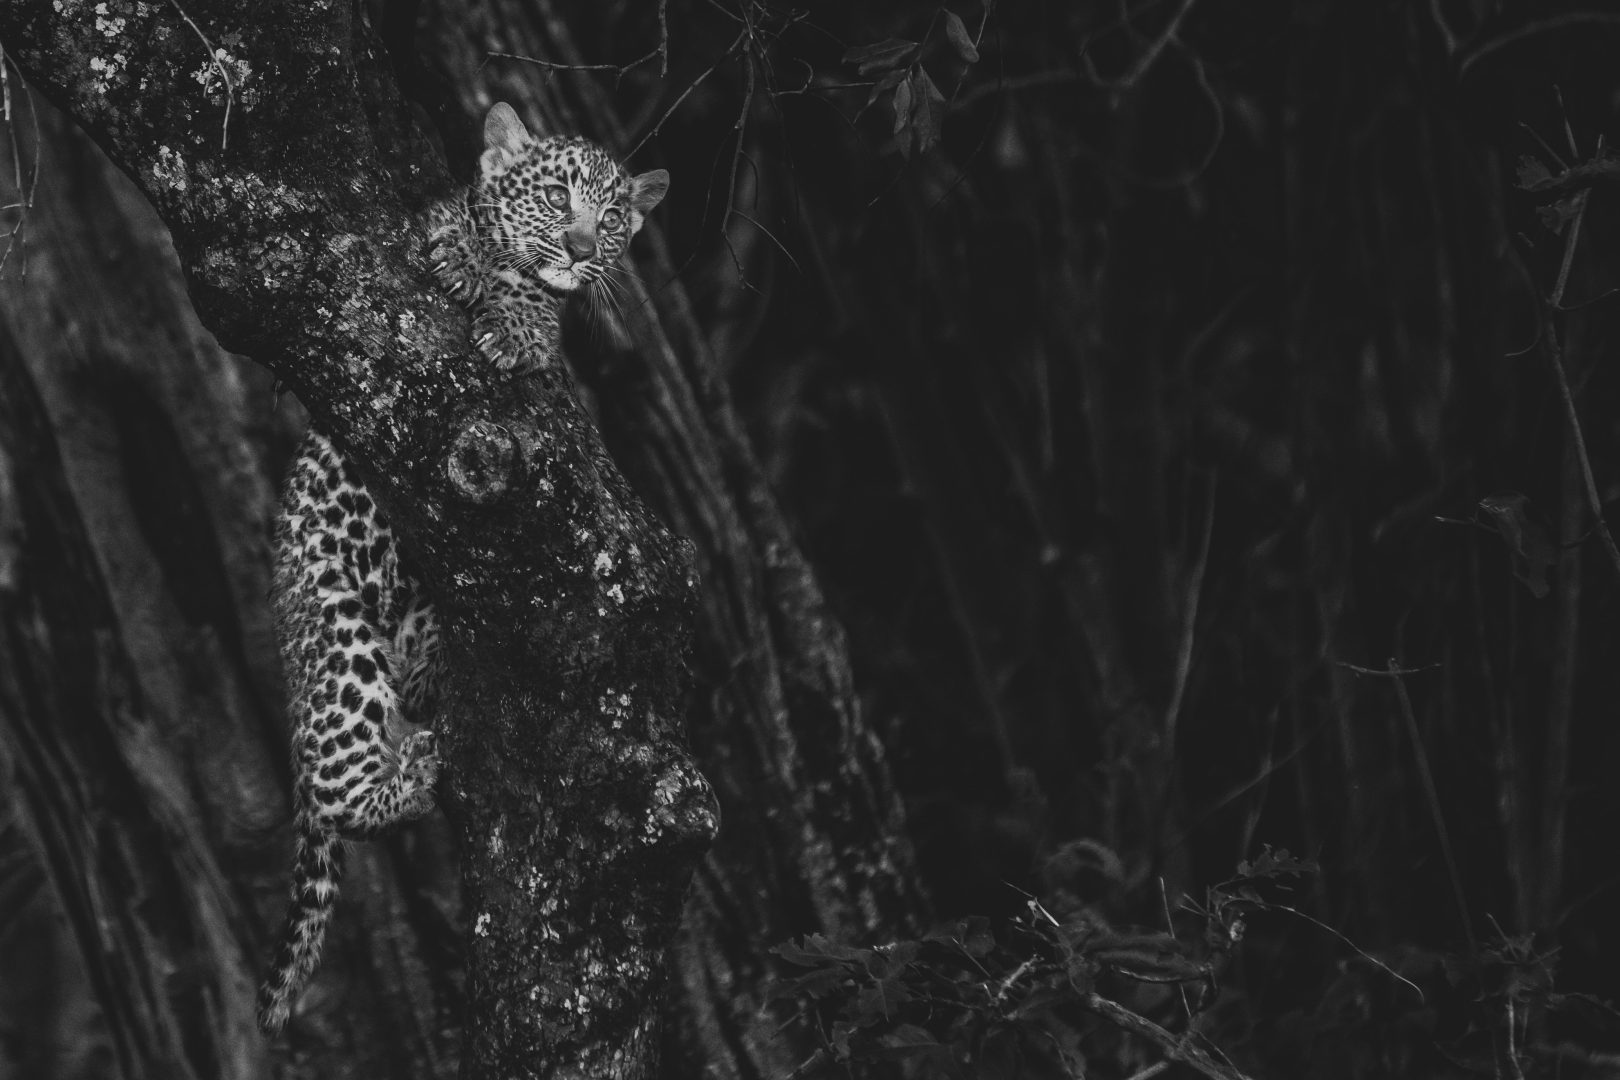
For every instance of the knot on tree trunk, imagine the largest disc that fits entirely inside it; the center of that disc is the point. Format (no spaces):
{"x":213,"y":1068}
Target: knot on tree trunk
{"x":684,"y":811}
{"x":484,"y":463}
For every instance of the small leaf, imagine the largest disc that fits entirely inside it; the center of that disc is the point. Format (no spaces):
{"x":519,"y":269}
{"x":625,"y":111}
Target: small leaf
{"x":908,"y":1042}
{"x":816,"y":985}
{"x":902,"y":107}
{"x":885,"y":84}
{"x":878,"y":1001}
{"x":1532,"y":173}
{"x":927,"y":110}
{"x":795,"y":955}
{"x":956,"y":32}
{"x":818,"y":951}
{"x":841,"y":1032}
{"x":1528,"y":541}
{"x":902,"y":953}
{"x":1277,"y":863}
{"x":826,"y":946}
{"x":881,"y":56}
{"x":1556,"y":215}
{"x":978,"y":941}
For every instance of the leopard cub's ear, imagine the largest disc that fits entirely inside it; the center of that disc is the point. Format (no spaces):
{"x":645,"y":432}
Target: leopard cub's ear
{"x":648,"y":190}
{"x":505,"y":138}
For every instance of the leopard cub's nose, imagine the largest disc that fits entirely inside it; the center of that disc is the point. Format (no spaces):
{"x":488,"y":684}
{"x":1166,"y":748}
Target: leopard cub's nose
{"x":581,"y":245}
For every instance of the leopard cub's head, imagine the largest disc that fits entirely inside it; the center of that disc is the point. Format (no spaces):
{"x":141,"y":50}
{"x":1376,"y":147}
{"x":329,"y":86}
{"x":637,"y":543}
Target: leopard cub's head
{"x":556,"y":208}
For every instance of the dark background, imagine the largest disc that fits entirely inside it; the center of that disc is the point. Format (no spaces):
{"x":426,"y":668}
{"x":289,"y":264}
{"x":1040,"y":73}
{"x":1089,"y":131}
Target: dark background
{"x":1137,"y":408}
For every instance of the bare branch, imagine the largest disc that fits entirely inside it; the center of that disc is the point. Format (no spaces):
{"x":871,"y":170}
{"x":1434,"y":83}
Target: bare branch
{"x":1174,"y":1047}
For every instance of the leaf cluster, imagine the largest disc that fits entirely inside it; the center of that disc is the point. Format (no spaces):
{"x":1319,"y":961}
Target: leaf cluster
{"x":916,"y":101}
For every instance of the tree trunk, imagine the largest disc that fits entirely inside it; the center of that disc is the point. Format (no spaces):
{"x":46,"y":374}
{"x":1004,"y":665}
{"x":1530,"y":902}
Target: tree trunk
{"x":813,"y":834}
{"x":578,"y":812}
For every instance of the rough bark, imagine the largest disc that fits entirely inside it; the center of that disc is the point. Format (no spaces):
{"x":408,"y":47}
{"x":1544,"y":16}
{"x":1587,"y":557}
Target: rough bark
{"x":579,"y":813}
{"x":814,"y":836}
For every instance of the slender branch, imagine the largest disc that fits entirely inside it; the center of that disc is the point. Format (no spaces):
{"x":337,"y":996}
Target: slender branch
{"x":1554,"y":355}
{"x":1148,"y":57}
{"x":219,"y":65}
{"x":1057,"y":77}
{"x":1391,"y":672}
{"x":1557,"y":22}
{"x":1189,"y":624}
{"x":659,"y":50}
{"x":1175,"y":1047}
{"x":17,"y":236}
{"x":1432,"y":796}
{"x":658,"y":126}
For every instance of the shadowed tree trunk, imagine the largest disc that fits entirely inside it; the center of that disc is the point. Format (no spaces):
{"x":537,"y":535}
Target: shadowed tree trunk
{"x":178,"y":506}
{"x":139,"y":698}
{"x":579,"y":814}
{"x":814,"y":836}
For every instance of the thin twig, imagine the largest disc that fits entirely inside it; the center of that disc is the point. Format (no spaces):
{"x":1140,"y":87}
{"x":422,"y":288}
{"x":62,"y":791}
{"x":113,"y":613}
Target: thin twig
{"x":17,"y":235}
{"x":663,"y":39}
{"x":1557,"y":22}
{"x":1148,"y":57}
{"x":736,"y":43}
{"x":1170,"y":928}
{"x":1447,"y":35}
{"x":1569,"y":132}
{"x":741,"y":128}
{"x":1390,"y":672}
{"x":1176,"y":1048}
{"x":1546,"y":147}
{"x":1189,"y":624}
{"x":1571,"y":240}
{"x":1513,"y":1049}
{"x":1152,"y":1070}
{"x":1017,"y":82}
{"x":553,"y":65}
{"x":1554,"y":355}
{"x":230,"y":84}
{"x":1365,"y":955}
{"x":772,"y":236}
{"x":1432,"y":795}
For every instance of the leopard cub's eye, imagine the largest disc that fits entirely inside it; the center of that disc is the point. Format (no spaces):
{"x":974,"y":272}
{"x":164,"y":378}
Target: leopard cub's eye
{"x":612,"y":218}
{"x":557,"y":197}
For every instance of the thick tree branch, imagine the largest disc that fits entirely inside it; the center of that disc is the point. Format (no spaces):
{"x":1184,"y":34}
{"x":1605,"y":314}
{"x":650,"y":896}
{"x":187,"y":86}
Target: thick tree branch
{"x":568,"y":606}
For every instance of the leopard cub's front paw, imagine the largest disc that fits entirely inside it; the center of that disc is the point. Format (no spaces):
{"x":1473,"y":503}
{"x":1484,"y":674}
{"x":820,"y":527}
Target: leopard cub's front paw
{"x":450,"y":254}
{"x":507,"y":350}
{"x":455,"y":272}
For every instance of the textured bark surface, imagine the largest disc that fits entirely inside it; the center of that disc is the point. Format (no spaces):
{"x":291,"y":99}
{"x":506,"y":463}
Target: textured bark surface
{"x":814,"y":835}
{"x":568,"y":606}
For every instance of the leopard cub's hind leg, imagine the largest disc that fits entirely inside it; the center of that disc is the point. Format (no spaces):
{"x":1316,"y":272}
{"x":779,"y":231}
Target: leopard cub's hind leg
{"x":371,"y":768}
{"x":416,"y":655}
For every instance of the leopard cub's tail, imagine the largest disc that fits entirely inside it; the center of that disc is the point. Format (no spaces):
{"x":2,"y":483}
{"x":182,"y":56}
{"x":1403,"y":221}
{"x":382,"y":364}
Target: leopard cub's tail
{"x":317,"y":870}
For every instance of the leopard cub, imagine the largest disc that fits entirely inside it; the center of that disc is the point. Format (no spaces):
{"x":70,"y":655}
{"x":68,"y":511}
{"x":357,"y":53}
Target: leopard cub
{"x":547,"y":217}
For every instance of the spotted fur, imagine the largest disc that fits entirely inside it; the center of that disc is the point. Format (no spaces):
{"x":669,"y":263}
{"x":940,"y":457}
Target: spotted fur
{"x":548,"y":217}
{"x":359,"y":641}
{"x":359,"y":645}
